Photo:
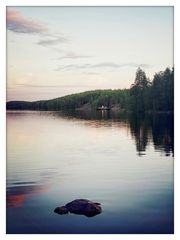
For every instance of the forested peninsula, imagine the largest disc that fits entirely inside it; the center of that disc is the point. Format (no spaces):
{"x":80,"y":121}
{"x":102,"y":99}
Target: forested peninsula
{"x":144,"y":95}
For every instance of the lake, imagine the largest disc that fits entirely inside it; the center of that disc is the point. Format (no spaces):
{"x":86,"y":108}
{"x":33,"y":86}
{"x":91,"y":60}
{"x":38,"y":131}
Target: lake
{"x":123,"y":161}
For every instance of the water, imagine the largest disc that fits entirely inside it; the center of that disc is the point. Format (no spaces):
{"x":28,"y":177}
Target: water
{"x":125,"y":162}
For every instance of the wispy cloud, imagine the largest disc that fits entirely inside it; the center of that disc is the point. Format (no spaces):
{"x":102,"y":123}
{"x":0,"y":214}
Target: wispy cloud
{"x":20,"y":24}
{"x":53,"y":40}
{"x":101,"y":65}
{"x":91,"y":73}
{"x":72,"y":55}
{"x":46,"y":86}
{"x":105,"y":64}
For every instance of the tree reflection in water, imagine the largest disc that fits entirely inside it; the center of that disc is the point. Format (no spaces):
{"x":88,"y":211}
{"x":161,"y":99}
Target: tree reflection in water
{"x":145,"y":128}
{"x":158,"y":128}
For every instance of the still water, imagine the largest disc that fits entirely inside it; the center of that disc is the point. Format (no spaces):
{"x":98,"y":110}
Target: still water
{"x":124,"y":162}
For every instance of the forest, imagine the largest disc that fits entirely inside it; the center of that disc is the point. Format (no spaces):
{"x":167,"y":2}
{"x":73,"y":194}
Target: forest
{"x":144,"y":95}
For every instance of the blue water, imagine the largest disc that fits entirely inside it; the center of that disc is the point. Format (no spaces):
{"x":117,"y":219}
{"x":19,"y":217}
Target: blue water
{"x":124,"y":163}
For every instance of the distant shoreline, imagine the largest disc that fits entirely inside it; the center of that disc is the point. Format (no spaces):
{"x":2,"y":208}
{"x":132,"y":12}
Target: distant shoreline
{"x":91,"y":110}
{"x":143,"y":96}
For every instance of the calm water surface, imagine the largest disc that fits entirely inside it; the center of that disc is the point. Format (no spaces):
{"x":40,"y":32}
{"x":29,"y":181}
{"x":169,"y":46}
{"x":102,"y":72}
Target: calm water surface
{"x":123,"y":162}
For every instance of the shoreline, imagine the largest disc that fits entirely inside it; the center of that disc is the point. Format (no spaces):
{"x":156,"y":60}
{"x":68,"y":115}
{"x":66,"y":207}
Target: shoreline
{"x":92,"y":110}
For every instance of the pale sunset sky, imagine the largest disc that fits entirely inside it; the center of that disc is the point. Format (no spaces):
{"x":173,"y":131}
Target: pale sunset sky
{"x":55,"y":51}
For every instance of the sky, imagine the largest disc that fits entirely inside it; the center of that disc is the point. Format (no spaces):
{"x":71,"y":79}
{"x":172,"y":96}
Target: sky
{"x":55,"y":51}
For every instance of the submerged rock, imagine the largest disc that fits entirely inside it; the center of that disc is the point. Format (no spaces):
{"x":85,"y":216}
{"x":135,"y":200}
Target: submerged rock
{"x":81,"y":207}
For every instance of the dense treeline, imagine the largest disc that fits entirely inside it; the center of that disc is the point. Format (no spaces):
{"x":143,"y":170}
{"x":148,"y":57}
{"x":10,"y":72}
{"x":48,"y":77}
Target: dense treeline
{"x":144,"y":95}
{"x":157,"y":95}
{"x":92,"y":98}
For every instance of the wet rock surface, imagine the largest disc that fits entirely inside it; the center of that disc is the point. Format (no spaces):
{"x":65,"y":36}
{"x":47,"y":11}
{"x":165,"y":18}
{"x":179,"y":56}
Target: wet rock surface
{"x":61,"y":210}
{"x":81,"y":207}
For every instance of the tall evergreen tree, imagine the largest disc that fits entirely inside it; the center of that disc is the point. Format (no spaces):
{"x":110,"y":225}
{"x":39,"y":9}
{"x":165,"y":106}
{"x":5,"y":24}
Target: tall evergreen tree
{"x":137,"y":91}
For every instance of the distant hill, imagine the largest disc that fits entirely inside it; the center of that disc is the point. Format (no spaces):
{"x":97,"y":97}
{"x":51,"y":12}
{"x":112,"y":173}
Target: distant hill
{"x":144,"y":95}
{"x":84,"y":100}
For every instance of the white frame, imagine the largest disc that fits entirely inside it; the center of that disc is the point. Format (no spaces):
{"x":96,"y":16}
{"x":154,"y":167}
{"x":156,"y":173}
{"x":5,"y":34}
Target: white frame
{"x":3,"y":5}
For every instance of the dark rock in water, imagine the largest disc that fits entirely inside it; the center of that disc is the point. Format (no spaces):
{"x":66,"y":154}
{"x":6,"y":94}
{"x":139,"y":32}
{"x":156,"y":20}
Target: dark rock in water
{"x":81,"y":207}
{"x":61,"y":210}
{"x":84,"y":207}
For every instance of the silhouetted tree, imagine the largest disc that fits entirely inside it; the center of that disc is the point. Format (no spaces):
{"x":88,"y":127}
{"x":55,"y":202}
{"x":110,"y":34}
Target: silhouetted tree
{"x":138,"y":91}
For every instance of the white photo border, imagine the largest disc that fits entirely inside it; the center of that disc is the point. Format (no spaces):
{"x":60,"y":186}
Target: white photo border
{"x":6,"y":3}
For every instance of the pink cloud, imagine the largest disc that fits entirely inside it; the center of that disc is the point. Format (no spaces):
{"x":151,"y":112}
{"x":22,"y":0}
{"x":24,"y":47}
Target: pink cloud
{"x":19,"y":24}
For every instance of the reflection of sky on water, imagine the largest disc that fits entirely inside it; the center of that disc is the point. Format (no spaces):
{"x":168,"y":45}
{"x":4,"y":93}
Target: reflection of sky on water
{"x":144,"y":129}
{"x":20,"y":191}
{"x":16,"y":195}
{"x":52,"y":160}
